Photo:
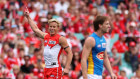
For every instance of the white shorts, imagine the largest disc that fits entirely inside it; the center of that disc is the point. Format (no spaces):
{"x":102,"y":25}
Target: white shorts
{"x":91,"y":76}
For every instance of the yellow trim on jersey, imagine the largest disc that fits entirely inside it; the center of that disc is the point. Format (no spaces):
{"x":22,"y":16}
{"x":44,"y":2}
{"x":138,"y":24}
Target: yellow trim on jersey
{"x":90,"y":64}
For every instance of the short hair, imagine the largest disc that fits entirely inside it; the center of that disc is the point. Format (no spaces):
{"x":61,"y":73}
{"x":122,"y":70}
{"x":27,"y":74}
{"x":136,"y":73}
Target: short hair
{"x":54,"y":20}
{"x":36,"y":50}
{"x":21,"y":49}
{"x":99,"y":20}
{"x":27,"y":56}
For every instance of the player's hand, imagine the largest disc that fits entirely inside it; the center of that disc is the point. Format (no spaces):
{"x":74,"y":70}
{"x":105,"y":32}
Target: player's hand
{"x":26,"y":12}
{"x":65,"y":71}
{"x":113,"y":76}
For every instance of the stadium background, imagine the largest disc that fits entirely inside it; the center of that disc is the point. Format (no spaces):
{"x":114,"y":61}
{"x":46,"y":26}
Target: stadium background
{"x":21,"y":50}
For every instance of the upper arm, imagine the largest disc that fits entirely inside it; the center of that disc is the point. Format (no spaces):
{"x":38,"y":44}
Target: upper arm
{"x":64,"y":44}
{"x":40,"y":33}
{"x":88,"y":45}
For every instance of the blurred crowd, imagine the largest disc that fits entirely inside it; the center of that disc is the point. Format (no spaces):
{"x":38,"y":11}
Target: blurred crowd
{"x":21,"y":51}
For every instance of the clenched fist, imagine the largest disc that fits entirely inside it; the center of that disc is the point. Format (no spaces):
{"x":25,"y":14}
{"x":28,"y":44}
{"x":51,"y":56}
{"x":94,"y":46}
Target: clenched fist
{"x":26,"y":12}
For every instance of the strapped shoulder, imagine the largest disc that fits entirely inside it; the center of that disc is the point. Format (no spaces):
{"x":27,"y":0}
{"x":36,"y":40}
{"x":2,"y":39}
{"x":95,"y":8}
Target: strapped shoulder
{"x":46,"y":36}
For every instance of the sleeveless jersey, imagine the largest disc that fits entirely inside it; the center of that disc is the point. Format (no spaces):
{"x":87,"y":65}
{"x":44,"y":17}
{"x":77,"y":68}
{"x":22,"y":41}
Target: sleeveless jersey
{"x":52,"y":51}
{"x":95,"y":59}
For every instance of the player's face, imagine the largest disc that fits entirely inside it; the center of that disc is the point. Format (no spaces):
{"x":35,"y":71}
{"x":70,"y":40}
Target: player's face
{"x":53,"y":28}
{"x":106,"y":27}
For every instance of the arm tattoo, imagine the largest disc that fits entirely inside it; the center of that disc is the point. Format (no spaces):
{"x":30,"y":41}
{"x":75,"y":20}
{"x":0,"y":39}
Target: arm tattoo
{"x":66,"y":47}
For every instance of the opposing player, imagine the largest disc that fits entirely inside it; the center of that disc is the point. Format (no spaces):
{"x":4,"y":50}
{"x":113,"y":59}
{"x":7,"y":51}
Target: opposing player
{"x":53,"y":45}
{"x":94,"y":53}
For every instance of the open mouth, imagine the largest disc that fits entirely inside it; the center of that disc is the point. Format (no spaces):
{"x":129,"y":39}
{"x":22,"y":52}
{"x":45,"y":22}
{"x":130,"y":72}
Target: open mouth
{"x":51,"y":30}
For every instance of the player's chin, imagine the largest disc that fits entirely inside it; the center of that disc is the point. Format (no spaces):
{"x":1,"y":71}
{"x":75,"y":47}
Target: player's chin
{"x":52,"y":33}
{"x":107,"y":30}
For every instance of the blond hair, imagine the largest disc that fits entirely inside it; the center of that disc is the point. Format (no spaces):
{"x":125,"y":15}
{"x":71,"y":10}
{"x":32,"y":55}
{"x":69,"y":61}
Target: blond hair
{"x":54,"y":20}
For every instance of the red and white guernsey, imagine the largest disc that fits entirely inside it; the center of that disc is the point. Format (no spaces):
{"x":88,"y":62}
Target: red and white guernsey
{"x":52,"y":51}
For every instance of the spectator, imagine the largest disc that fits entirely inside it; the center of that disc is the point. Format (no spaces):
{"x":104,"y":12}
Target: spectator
{"x":7,"y":25}
{"x":118,"y":23}
{"x":38,"y":66}
{"x":116,"y":56}
{"x":138,"y":44}
{"x":16,"y":70}
{"x":80,"y":24}
{"x":106,"y":4}
{"x":131,"y":28}
{"x":10,"y":60}
{"x":123,"y":74}
{"x":20,"y":75}
{"x":120,"y":44}
{"x":6,"y":74}
{"x":27,"y":67}
{"x":138,"y":63}
{"x":43,"y":12}
{"x":61,"y":5}
{"x":20,"y":44}
{"x":76,"y":65}
{"x":1,"y":71}
{"x":34,"y":57}
{"x":4,"y":50}
{"x":100,"y":7}
{"x":137,"y":76}
{"x":14,"y":29}
{"x":20,"y":27}
{"x":21,"y":57}
{"x":131,"y":55}
{"x":93,"y":13}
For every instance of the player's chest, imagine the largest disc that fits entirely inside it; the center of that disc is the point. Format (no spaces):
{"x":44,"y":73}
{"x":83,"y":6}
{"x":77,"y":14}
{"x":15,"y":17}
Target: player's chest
{"x":51,"y":42}
{"x":100,"y":46}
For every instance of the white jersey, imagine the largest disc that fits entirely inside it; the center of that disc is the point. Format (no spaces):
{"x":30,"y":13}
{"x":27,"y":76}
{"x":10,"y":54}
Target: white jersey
{"x":52,"y":51}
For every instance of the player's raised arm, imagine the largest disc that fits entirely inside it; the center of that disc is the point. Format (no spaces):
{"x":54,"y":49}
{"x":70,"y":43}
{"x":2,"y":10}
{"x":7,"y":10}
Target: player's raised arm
{"x":89,"y":43}
{"x":33,"y":25}
{"x":67,"y":49}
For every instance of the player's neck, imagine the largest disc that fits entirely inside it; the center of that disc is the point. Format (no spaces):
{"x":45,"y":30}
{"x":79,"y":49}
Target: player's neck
{"x":52,"y":34}
{"x":99,"y":33}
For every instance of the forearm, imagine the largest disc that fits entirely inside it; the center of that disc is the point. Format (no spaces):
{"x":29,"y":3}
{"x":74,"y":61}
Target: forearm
{"x":69,"y":59}
{"x":35,"y":28}
{"x":84,"y":68}
{"x":108,"y":65}
{"x":116,"y":61}
{"x":32,"y":24}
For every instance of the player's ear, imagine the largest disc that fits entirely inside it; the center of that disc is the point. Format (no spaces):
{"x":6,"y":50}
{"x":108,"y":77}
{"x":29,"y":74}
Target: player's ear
{"x":100,"y":25}
{"x":60,"y":26}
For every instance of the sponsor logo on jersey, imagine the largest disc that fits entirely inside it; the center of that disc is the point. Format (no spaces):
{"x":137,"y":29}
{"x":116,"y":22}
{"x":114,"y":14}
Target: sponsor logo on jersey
{"x":51,"y":75}
{"x":103,"y":45}
{"x":100,"y":55}
{"x":52,"y":42}
{"x":99,"y":46}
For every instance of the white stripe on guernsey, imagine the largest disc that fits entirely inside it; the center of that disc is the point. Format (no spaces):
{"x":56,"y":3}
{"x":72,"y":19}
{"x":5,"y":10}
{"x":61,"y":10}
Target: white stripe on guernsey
{"x":91,"y":76}
{"x":51,"y":55}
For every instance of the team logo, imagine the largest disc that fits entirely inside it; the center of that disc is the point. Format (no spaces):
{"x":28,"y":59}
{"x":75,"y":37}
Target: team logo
{"x":104,"y":45}
{"x":52,"y":42}
{"x":100,"y":55}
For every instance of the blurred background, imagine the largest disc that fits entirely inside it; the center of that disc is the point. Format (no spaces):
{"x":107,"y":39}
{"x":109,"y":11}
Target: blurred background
{"x":21,"y":50}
